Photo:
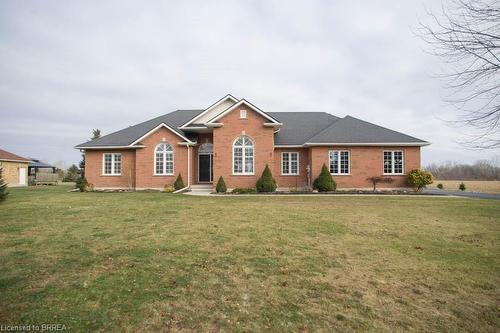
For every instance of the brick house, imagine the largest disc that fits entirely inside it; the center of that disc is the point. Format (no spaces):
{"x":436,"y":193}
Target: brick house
{"x":235,"y":139}
{"x":14,"y":168}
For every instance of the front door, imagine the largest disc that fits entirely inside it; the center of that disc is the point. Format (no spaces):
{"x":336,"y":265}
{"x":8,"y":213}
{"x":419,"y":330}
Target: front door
{"x":22,"y":176}
{"x":205,"y":165}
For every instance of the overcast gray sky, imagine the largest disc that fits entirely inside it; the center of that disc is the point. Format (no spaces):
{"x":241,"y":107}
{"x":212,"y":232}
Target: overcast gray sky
{"x":68,"y":66}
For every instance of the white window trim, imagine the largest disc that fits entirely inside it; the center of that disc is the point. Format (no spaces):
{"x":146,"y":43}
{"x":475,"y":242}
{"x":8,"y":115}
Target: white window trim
{"x":112,"y":164}
{"x":392,"y":162}
{"x":164,"y":162}
{"x":243,"y":114}
{"x":338,"y":166}
{"x":243,"y":158}
{"x":290,"y":163}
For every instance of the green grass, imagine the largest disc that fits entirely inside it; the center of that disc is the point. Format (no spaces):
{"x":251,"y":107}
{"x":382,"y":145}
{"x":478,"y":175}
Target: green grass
{"x":161,"y":262}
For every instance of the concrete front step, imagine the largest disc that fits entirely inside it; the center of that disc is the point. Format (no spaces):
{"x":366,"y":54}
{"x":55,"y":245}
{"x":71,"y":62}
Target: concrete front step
{"x":200,"y":189}
{"x":201,"y":186}
{"x":197,"y":190}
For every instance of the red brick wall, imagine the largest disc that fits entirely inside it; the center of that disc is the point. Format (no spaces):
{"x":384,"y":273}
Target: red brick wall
{"x":145,"y":177}
{"x":365,"y":162}
{"x":224,"y":137}
{"x":287,"y":181}
{"x":138,"y":165}
{"x":93,"y":169}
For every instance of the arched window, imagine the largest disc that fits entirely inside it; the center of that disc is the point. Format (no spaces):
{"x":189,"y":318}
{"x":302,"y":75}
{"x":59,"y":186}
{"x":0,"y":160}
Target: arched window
{"x":243,"y":156}
{"x":206,"y":148}
{"x":164,"y":159}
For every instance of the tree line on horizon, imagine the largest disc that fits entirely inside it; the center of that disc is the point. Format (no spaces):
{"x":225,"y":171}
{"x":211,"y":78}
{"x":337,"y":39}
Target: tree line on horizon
{"x":481,"y":170}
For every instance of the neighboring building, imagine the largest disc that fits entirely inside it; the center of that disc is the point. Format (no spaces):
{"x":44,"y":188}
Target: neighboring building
{"x":41,"y":173}
{"x":14,"y":168}
{"x":36,"y":166}
{"x":235,"y":139}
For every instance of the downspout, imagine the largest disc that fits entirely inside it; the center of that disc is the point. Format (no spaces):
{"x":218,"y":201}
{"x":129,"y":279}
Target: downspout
{"x":189,"y":166}
{"x":188,"y":146}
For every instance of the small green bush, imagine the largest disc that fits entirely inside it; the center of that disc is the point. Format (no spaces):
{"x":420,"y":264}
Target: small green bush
{"x":168,"y":188}
{"x":244,"y":190}
{"x":462,"y":187}
{"x":440,"y":186}
{"x":324,"y":182}
{"x":221,"y":186}
{"x":3,"y":187}
{"x":179,"y":184}
{"x":266,"y":182}
{"x":82,"y":184}
{"x":418,"y":179}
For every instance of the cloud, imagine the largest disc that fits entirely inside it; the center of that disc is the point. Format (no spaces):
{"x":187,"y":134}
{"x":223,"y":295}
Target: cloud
{"x":68,"y":67}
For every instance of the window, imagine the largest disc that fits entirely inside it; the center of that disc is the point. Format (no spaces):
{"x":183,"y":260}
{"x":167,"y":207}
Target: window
{"x":339,"y":162}
{"x":243,"y":114}
{"x":393,"y":162}
{"x":289,"y":163}
{"x":164,"y":159}
{"x":243,"y":159}
{"x":112,"y":164}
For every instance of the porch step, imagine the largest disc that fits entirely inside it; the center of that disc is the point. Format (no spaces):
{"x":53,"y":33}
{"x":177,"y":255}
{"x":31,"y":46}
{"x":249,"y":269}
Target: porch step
{"x":201,"y":186}
{"x":200,"y":189}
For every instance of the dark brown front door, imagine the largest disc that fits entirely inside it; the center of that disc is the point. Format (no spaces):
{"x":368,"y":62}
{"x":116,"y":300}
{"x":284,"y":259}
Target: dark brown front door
{"x":205,"y":165}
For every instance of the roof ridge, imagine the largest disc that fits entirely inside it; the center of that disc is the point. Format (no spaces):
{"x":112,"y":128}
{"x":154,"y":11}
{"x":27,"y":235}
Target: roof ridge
{"x":8,"y":155}
{"x":385,"y":128}
{"x":154,"y":120}
{"x":325,"y":128}
{"x":302,"y":112}
{"x":354,"y":125}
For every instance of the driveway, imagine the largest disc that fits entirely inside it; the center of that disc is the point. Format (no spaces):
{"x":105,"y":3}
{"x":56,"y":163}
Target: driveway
{"x":463,"y":193}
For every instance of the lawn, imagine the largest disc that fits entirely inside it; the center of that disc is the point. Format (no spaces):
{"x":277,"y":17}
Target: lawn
{"x":162,"y":262}
{"x":483,"y":186}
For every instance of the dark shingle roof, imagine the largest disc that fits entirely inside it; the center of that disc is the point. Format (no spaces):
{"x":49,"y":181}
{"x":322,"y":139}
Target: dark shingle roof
{"x":300,"y":126}
{"x":39,"y":164}
{"x":353,"y":130}
{"x":128,"y":135}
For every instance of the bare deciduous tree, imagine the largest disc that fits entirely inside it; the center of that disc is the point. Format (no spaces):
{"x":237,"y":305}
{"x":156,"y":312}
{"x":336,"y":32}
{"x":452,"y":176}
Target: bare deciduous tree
{"x":96,"y":134}
{"x":466,"y":36}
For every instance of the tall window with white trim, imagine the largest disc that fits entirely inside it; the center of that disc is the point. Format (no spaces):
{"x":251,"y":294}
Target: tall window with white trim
{"x":243,"y":156}
{"x":289,"y":163}
{"x":164,"y":159}
{"x":393,"y":163}
{"x":112,"y":164}
{"x":339,"y":162}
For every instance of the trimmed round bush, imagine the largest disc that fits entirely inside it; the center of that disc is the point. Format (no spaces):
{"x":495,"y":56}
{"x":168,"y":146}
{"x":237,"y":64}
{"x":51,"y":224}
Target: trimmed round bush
{"x":324,"y":182}
{"x":418,"y":179}
{"x":266,"y":182}
{"x":440,"y":186}
{"x":221,"y":186}
{"x":462,"y":187}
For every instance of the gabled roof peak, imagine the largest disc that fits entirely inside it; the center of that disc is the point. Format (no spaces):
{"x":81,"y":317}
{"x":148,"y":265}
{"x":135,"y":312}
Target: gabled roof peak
{"x":250,"y":105}
{"x":217,"y":107}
